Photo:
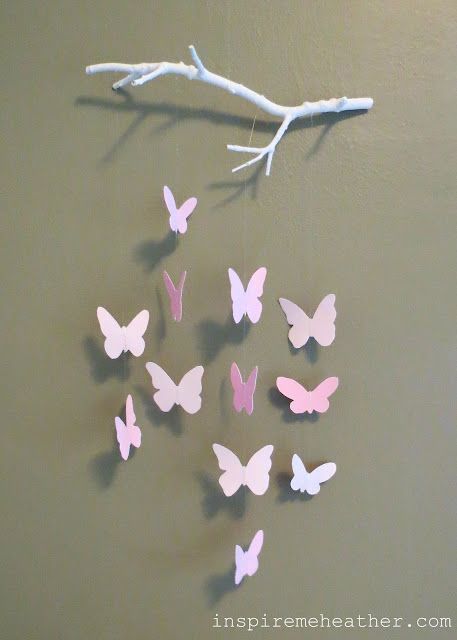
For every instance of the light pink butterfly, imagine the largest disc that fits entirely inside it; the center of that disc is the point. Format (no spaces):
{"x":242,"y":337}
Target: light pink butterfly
{"x":310,"y":481}
{"x":247,"y":562}
{"x":321,"y":326}
{"x":129,"y":433}
{"x":246,"y":302}
{"x":255,"y":475}
{"x":175,"y":294}
{"x":304,"y":401}
{"x":185,"y":394}
{"x":178,"y":216}
{"x":122,"y":339}
{"x":243,"y":392}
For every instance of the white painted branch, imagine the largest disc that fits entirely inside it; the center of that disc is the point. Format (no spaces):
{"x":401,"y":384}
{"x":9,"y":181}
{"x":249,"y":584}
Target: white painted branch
{"x":138,"y":74}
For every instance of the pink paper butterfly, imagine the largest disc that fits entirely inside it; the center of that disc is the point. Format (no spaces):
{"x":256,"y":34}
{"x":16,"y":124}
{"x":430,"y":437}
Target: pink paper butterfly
{"x":254,"y":475}
{"x":128,"y":433}
{"x":175,"y":294}
{"x":247,"y":562}
{"x":186,"y":394}
{"x":243,"y":392}
{"x":246,"y":302}
{"x":122,"y":339}
{"x":304,"y":401}
{"x":321,"y":326}
{"x":178,"y":217}
{"x":310,"y":481}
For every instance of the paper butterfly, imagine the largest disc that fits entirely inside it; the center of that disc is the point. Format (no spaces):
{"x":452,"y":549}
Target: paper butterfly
{"x":321,"y":326}
{"x":175,"y":294}
{"x":254,"y":475}
{"x":310,"y":482}
{"x":128,"y":433}
{"x":186,"y":394}
{"x":122,"y":339}
{"x":247,"y":562}
{"x":243,"y":392}
{"x":178,"y":217}
{"x":246,"y":302}
{"x":304,"y":401}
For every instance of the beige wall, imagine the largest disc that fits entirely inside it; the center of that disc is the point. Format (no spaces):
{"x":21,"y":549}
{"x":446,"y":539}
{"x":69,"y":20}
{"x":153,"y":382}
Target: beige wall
{"x":363,"y":206}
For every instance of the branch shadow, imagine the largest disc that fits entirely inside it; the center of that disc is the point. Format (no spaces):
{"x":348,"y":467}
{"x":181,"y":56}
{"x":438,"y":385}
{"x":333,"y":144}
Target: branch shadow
{"x":151,"y":252}
{"x":101,"y":366}
{"x":214,"y":500}
{"x":172,"y":420}
{"x":281,"y":402}
{"x":219,"y":585}
{"x":239,"y":187}
{"x":212,"y":336}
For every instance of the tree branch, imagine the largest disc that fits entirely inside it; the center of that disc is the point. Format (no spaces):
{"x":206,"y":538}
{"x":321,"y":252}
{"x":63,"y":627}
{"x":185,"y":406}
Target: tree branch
{"x":139,"y":74}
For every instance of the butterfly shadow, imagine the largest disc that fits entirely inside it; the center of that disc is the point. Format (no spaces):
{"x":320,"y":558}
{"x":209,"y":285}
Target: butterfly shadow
{"x":213,"y":336}
{"x":281,"y":402}
{"x":151,"y":252}
{"x":311,"y":350}
{"x":220,"y":584}
{"x":171,"y":419}
{"x":214,"y":500}
{"x":101,"y":366}
{"x":286,"y":493}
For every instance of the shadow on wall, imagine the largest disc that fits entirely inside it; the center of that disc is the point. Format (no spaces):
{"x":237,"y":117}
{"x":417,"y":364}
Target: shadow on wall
{"x":281,"y":402}
{"x":172,"y":420}
{"x":101,"y":366}
{"x":219,"y":584}
{"x":214,"y":500}
{"x":213,"y":336}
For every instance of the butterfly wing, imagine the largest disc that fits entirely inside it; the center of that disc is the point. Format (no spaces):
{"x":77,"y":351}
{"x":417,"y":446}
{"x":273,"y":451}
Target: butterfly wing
{"x":134,"y":333}
{"x":249,"y":390}
{"x":258,"y":470}
{"x":299,"y":321}
{"x":232,"y":479}
{"x":319,"y":396}
{"x":122,"y":437}
{"x":171,"y":206}
{"x":111,"y":329}
{"x":183,"y":213}
{"x":323,"y":323}
{"x":167,"y":393}
{"x":253,"y":292}
{"x":319,"y":475}
{"x":175,"y":294}
{"x":296,"y":392}
{"x":298,"y":482}
{"x":237,"y":386}
{"x":238,"y":296}
{"x":189,"y":390}
{"x":240,"y":570}
{"x":134,"y":431}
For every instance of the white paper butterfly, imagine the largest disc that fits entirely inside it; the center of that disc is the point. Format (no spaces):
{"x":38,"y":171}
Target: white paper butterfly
{"x":254,"y":475}
{"x":122,"y":339}
{"x":185,"y":394}
{"x":321,"y":326}
{"x":246,"y":302}
{"x":310,"y":482}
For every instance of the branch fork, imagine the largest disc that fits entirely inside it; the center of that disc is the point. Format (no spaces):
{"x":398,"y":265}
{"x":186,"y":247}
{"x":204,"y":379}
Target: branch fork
{"x":138,"y":74}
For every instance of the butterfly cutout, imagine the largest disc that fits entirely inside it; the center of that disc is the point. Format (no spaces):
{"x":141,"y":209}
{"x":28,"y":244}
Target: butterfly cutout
{"x":128,"y":433}
{"x":310,"y":481}
{"x":246,"y":302}
{"x":321,"y":326}
{"x":254,"y":475}
{"x":178,"y":217}
{"x":186,"y":394}
{"x":122,"y":339}
{"x":304,"y":401}
{"x":243,"y":392}
{"x":247,"y":562}
{"x":175,"y":294}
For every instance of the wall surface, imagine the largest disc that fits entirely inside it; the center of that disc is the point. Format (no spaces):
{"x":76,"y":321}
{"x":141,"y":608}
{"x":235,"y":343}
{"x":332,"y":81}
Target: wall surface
{"x":361,"y":205}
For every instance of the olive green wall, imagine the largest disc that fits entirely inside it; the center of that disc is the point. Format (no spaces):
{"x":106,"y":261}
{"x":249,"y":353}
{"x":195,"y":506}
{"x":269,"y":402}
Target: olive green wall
{"x":362,"y":205}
